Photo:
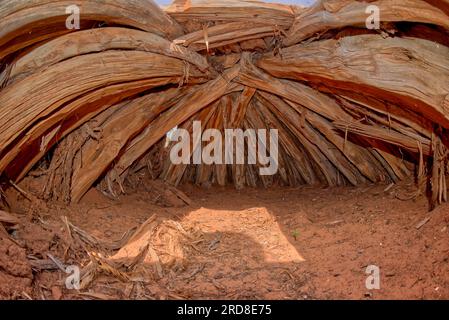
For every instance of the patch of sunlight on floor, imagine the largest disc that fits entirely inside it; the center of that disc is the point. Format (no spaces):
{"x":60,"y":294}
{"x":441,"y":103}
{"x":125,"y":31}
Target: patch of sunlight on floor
{"x":255,"y":229}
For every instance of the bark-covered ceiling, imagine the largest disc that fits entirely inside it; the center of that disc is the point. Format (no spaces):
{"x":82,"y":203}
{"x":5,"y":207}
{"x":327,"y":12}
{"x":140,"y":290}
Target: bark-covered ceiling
{"x":352,"y":105}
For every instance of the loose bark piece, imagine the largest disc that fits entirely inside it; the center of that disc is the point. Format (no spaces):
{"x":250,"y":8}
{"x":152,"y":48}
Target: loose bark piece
{"x":225,"y":34}
{"x":8,"y":218}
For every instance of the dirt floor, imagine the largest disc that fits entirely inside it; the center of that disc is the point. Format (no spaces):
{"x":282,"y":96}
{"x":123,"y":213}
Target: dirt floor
{"x":302,"y":243}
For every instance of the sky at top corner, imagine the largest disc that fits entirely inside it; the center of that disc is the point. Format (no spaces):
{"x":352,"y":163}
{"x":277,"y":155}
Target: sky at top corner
{"x":298,"y":2}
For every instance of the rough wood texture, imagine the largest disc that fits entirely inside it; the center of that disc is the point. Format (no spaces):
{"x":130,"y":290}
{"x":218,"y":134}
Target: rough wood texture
{"x":335,"y":14}
{"x":73,"y":78}
{"x":411,"y":72}
{"x":20,"y":19}
{"x":99,"y":40}
{"x":233,"y":10}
